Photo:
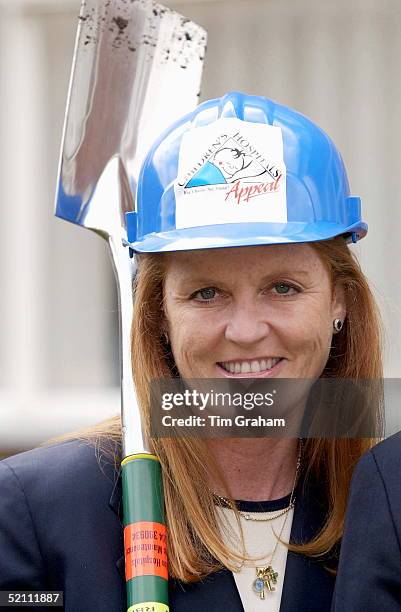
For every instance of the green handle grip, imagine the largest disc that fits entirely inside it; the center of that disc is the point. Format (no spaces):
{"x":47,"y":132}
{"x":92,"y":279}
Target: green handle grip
{"x":145,"y":545}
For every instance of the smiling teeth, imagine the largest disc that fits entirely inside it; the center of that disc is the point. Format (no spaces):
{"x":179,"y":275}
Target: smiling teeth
{"x":245,"y":367}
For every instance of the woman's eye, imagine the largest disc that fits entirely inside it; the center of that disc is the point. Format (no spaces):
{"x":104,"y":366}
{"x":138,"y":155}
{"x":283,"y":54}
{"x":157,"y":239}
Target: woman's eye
{"x":284,"y":289}
{"x":205,"y":295}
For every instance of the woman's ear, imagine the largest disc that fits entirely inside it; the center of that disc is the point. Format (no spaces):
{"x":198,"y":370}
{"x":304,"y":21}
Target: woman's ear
{"x":339,"y":306}
{"x":164,"y":330}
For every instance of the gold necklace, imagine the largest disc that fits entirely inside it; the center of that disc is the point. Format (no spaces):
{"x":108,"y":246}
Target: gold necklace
{"x":248,"y":516}
{"x":266,"y":577}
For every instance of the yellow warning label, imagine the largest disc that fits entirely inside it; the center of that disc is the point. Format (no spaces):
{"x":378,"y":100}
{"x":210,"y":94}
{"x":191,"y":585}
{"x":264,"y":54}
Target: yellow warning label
{"x":149,"y":606}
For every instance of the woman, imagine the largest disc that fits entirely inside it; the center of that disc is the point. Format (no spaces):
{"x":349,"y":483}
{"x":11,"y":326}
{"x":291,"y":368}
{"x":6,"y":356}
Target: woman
{"x":251,"y":278}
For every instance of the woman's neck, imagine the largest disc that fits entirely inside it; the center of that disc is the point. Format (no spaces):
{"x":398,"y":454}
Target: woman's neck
{"x":255,"y":469}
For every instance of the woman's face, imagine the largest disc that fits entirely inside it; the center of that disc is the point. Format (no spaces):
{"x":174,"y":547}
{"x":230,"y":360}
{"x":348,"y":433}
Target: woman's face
{"x":250,"y":311}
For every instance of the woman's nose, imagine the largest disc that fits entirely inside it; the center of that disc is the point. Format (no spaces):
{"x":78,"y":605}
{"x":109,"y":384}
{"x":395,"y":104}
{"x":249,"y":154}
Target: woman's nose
{"x":247,"y":325}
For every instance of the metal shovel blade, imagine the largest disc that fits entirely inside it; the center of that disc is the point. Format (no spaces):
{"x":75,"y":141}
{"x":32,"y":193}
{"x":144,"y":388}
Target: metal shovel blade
{"x":137,"y":68}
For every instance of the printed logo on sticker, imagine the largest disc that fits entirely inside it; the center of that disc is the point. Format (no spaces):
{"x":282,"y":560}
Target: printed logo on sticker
{"x":231,"y":171}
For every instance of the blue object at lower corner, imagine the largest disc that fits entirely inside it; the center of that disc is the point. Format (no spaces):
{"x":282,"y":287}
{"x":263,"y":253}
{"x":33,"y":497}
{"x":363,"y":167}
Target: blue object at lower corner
{"x":68,"y":207}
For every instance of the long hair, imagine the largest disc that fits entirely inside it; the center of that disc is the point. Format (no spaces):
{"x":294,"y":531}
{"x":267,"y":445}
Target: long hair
{"x":195,"y":546}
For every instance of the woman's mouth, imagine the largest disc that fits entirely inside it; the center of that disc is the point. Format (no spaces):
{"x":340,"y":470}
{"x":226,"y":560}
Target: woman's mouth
{"x":252,"y":367}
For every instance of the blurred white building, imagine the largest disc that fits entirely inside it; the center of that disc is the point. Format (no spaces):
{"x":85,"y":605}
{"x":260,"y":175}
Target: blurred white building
{"x":337,"y":62}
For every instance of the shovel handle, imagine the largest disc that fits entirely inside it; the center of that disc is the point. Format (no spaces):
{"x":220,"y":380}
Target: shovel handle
{"x":145,"y":543}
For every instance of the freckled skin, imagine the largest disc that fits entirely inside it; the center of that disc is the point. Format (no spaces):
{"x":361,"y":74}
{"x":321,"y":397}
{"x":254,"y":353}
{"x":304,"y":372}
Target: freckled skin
{"x":248,"y":317}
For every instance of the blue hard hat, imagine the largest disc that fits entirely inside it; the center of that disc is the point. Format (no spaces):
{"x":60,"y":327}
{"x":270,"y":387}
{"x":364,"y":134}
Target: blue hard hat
{"x":239,"y":171}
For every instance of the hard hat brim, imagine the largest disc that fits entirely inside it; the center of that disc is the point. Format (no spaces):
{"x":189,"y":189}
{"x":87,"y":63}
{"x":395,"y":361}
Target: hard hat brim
{"x":245,"y":234}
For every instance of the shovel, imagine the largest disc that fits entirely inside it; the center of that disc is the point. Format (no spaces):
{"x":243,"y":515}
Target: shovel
{"x":137,"y":68}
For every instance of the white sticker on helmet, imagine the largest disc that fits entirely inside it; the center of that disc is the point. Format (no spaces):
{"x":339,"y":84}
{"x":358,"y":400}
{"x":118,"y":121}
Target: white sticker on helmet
{"x":231,"y":171}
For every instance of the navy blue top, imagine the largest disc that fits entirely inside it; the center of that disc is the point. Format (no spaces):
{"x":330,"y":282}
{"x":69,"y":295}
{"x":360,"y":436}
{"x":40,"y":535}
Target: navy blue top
{"x":61,"y":528}
{"x":369,"y":578}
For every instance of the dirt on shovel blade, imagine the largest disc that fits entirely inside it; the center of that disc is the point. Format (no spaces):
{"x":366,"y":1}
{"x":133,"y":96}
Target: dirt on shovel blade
{"x":112,"y":21}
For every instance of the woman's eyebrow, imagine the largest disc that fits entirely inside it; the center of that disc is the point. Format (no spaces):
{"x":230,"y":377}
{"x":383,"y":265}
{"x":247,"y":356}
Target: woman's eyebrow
{"x":211,"y":280}
{"x":199,"y":280}
{"x":290,"y":271}
{"x":302,"y":275}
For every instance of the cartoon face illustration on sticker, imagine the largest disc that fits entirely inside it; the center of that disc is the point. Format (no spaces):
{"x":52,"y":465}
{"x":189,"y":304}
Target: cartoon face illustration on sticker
{"x":230,"y":161}
{"x":229,"y":164}
{"x":235,"y":164}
